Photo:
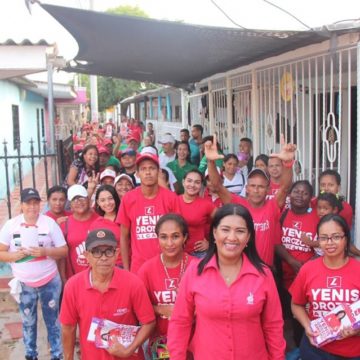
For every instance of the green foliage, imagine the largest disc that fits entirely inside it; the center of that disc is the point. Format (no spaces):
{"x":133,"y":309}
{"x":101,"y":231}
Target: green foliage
{"x":128,"y":10}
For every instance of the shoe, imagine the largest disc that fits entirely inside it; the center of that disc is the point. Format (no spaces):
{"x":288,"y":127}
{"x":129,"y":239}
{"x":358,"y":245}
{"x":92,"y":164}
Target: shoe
{"x":31,"y":358}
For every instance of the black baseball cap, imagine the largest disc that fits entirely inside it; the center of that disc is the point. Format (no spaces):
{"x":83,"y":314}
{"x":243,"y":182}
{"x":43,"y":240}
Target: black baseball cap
{"x":100,"y":237}
{"x":28,"y":194}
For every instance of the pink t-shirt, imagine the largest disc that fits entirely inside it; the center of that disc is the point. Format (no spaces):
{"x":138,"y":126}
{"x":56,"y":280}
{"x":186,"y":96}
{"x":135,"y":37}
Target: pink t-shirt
{"x":46,"y":233}
{"x":267,"y":226}
{"x":124,"y":302}
{"x":323,"y":289}
{"x":75,"y":233}
{"x":198,"y":217}
{"x":140,"y":215}
{"x":293,"y":226}
{"x":162,"y":290}
{"x":241,"y":321}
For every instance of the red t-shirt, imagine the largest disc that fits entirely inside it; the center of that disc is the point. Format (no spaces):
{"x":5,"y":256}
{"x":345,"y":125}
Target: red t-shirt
{"x":273,"y":189}
{"x":102,"y":223}
{"x":346,"y":212}
{"x":162,"y":290}
{"x":198,"y":217}
{"x":75,"y":233}
{"x":140,"y":215}
{"x":323,"y":289}
{"x":266,"y":223}
{"x":213,"y":199}
{"x":293,"y":226}
{"x":124,"y":302}
{"x":55,"y":217}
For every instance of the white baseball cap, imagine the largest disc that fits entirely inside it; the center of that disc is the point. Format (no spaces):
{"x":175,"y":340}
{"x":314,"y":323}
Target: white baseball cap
{"x":108,"y":173}
{"x":76,"y":190}
{"x":167,"y":138}
{"x":124,"y":176}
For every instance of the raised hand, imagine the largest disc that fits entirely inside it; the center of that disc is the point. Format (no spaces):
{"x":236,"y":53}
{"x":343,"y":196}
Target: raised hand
{"x":211,"y":151}
{"x":287,"y":153}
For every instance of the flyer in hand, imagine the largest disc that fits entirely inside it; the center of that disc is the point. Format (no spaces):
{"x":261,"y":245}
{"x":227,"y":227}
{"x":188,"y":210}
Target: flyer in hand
{"x":330,"y":325}
{"x":102,"y":331}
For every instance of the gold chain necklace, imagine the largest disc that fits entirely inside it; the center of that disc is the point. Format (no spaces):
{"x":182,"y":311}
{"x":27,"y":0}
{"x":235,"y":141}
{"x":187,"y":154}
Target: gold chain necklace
{"x":182,"y":267}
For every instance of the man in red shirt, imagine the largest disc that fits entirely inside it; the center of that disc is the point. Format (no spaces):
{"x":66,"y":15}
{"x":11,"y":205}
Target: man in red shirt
{"x":107,"y":293}
{"x":275,"y":168}
{"x":139,"y":212}
{"x":265,"y":213}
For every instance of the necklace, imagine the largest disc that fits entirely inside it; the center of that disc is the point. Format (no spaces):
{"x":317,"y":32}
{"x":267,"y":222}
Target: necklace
{"x":182,"y":267}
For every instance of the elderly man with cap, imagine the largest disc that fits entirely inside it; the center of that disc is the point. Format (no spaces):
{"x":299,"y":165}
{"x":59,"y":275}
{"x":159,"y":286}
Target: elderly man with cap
{"x":265,"y":213}
{"x":168,"y":153}
{"x":31,"y":243}
{"x":75,"y":229}
{"x":108,"y":293}
{"x":139,"y":212}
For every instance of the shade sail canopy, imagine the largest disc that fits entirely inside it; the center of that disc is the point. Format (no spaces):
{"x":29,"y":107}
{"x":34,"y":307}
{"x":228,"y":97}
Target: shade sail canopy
{"x":165,"y":52}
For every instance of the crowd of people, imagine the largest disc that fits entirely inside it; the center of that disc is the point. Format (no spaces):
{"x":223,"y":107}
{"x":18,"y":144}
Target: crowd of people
{"x":209,"y":255}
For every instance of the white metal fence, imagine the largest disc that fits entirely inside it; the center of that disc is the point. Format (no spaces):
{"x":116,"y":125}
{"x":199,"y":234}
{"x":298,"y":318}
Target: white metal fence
{"x":311,"y":100}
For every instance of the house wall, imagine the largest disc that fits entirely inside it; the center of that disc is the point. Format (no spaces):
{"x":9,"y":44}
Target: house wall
{"x":29,"y":103}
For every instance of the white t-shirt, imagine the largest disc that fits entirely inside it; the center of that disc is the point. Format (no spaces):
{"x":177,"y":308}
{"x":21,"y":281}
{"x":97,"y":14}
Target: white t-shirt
{"x":164,"y":159}
{"x":237,"y":184}
{"x":15,"y":233}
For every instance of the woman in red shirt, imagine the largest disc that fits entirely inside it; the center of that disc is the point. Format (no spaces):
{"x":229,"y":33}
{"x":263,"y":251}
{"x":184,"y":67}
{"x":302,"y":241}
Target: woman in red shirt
{"x":107,"y":204}
{"x":324,"y":283}
{"x":197,"y":212}
{"x":231,"y":296}
{"x":163,"y":273}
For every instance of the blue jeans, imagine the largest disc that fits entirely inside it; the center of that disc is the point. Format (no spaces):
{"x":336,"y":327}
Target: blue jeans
{"x":309,"y":352}
{"x":49,"y":295}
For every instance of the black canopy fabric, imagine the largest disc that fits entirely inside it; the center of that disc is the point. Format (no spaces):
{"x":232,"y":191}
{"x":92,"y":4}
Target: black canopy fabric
{"x":165,"y":52}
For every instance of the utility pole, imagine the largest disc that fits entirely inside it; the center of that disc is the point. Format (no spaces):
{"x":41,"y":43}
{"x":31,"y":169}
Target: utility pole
{"x":93,"y":87}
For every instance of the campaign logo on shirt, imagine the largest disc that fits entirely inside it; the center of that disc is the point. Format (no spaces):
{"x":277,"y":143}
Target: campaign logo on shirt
{"x":149,"y":210}
{"x":171,"y":284}
{"x":333,"y":281}
{"x":250,"y":299}
{"x":262,"y":226}
{"x":326,"y":299}
{"x":120,"y":312}
{"x":297,"y":224}
{"x":145,"y":224}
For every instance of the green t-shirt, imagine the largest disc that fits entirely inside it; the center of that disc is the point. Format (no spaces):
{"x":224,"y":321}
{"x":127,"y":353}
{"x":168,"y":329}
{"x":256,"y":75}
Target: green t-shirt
{"x":203,"y":164}
{"x":180,"y":172}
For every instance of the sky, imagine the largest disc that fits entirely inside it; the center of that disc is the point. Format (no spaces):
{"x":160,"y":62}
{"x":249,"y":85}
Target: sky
{"x":17,"y":23}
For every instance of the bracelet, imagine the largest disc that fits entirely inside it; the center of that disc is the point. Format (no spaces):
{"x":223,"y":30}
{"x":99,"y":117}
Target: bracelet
{"x":288,"y":164}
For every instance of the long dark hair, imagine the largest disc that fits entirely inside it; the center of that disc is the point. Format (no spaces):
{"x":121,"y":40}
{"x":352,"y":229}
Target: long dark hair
{"x":84,"y":151}
{"x":114,"y":194}
{"x":339,"y":220}
{"x":249,"y":250}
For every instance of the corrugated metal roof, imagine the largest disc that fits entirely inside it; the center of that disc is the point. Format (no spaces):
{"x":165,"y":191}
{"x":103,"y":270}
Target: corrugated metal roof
{"x":25,"y":42}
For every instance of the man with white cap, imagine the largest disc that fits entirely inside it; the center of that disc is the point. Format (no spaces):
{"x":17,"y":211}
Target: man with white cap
{"x":140,"y":210}
{"x":123,"y":183}
{"x":107,"y":293}
{"x":168,"y":146}
{"x":107,"y":177}
{"x":75,"y":229}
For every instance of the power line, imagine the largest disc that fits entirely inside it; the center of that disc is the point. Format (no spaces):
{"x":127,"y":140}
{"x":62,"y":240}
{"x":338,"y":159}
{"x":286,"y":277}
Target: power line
{"x":288,"y":13}
{"x":227,"y":16}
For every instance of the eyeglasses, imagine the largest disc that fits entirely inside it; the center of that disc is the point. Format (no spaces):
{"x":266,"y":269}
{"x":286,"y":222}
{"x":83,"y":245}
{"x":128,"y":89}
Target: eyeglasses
{"x":334,"y":238}
{"x":98,"y":253}
{"x":79,"y":200}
